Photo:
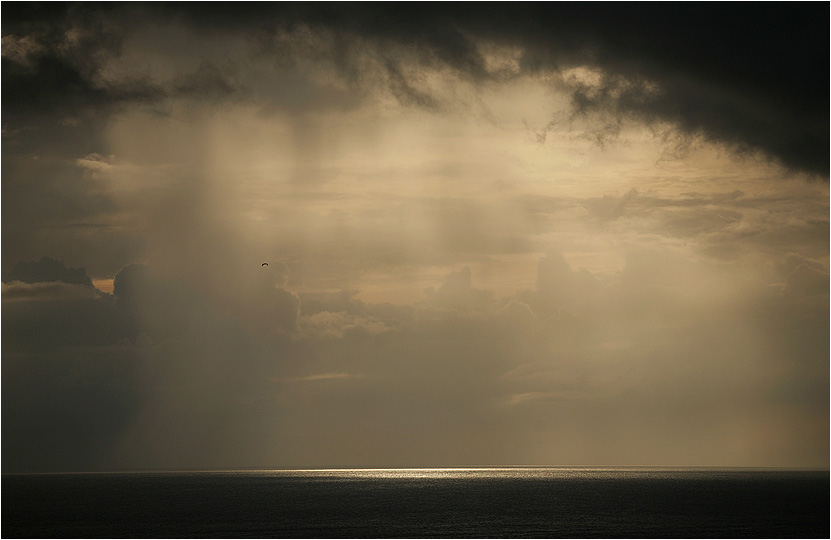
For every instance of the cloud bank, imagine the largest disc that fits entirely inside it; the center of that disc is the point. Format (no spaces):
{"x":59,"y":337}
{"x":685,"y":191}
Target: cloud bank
{"x":643,"y":370}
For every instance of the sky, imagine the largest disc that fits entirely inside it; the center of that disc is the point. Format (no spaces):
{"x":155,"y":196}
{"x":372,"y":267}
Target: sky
{"x":495,"y":234}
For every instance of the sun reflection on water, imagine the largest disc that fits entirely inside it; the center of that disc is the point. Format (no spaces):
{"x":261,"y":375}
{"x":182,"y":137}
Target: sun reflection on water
{"x":518,"y":473}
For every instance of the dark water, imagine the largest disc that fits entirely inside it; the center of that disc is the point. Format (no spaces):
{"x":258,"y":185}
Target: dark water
{"x":417,"y":503}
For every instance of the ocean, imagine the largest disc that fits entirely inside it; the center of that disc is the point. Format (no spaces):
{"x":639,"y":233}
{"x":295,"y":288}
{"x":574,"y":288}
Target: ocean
{"x":420,"y":503}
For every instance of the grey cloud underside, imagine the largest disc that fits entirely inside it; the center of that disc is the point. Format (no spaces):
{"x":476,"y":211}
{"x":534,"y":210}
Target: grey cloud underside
{"x":751,"y":76}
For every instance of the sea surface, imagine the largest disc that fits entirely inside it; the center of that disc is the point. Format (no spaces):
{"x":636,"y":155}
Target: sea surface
{"x":420,"y":503}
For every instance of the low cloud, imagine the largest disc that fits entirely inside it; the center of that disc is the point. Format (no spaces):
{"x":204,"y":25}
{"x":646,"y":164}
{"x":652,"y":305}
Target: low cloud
{"x":48,"y":270}
{"x":191,"y":370}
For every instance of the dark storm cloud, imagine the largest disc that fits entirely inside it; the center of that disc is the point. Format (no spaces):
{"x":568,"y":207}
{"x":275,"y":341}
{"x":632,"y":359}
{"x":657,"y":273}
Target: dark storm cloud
{"x":206,"y":80}
{"x":749,"y":75}
{"x":71,"y":379}
{"x":54,"y":65}
{"x":55,"y":103}
{"x":752,"y":76}
{"x":47,"y":305}
{"x":82,"y":370}
{"x":53,"y":85}
{"x":52,"y":59}
{"x":405,"y":92}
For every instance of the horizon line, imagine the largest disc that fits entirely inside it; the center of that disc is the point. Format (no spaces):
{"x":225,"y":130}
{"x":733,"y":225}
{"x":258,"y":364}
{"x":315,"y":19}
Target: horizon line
{"x":474,"y":468}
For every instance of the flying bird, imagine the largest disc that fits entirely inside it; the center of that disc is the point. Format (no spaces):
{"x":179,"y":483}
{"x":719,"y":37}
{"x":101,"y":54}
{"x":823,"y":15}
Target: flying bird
{"x":264,"y":264}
